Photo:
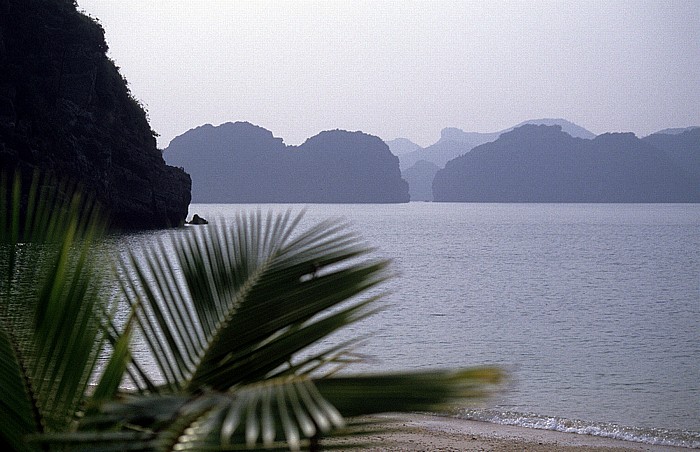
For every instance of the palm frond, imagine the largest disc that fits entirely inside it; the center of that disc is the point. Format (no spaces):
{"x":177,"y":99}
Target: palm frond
{"x":283,"y":413}
{"x":250,"y":297}
{"x":279,"y":413}
{"x":17,"y":417}
{"x":431,"y":390}
{"x":49,"y":331}
{"x":228,"y":314}
{"x":112,"y":376}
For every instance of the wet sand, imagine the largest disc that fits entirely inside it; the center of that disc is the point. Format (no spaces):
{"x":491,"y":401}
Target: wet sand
{"x":414,"y":432}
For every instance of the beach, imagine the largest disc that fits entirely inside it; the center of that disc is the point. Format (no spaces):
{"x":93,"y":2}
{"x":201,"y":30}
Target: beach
{"x":401,"y":432}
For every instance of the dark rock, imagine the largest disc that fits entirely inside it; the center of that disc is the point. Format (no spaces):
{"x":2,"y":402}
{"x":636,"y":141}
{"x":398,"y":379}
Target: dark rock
{"x":3,"y":50}
{"x":196,"y":219}
{"x":8,"y":117}
{"x":65,"y":109}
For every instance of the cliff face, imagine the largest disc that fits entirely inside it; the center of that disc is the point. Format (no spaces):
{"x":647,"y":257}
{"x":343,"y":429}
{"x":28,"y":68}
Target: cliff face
{"x":243,"y":163}
{"x":545,"y":164}
{"x":65,"y":109}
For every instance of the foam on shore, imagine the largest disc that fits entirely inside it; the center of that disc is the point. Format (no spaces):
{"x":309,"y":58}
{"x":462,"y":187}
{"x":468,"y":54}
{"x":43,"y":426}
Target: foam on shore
{"x":652,"y":436}
{"x":437,"y":433}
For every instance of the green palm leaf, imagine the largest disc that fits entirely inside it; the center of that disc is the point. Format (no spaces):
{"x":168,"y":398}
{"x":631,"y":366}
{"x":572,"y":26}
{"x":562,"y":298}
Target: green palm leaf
{"x":282,"y":413}
{"x":248,"y":300}
{"x":226,"y":331}
{"x":49,"y":331}
{"x":17,"y":417}
{"x":229,"y":314}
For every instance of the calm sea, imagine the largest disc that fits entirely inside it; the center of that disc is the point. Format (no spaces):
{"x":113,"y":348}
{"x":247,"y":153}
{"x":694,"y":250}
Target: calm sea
{"x":594,"y":309}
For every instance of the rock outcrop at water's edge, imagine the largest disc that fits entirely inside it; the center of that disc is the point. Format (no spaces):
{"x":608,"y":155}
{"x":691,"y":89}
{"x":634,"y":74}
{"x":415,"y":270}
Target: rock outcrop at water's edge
{"x":244,"y":163}
{"x":66,"y":110}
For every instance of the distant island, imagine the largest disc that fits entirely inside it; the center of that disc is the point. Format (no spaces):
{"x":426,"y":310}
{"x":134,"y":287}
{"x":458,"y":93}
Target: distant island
{"x":420,"y":180}
{"x":244,"y":163}
{"x":540,"y":163}
{"x":454,"y":142}
{"x":419,"y":165}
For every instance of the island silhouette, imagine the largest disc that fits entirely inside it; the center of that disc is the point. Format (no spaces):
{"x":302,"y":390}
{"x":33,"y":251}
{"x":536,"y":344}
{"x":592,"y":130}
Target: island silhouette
{"x":244,"y":163}
{"x":539,"y":163}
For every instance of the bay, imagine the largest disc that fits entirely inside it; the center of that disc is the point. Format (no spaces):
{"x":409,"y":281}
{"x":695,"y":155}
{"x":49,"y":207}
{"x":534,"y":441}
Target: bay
{"x":593,"y":309}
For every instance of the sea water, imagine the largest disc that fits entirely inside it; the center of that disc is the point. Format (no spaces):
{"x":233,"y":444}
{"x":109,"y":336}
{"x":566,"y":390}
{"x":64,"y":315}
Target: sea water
{"x":592,"y":309}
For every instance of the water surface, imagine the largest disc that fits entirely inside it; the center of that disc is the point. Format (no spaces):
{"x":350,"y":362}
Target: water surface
{"x":593,"y":308}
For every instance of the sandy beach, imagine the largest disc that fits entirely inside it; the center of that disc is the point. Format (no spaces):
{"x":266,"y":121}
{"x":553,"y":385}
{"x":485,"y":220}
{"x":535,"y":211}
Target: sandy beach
{"x":433,"y":433}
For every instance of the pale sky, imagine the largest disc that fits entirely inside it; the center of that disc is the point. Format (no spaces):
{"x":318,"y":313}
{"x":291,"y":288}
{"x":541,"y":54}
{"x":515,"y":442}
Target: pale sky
{"x":407,"y":68}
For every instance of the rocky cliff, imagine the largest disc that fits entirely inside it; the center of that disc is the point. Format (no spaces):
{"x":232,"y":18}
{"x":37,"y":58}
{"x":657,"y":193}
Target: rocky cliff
{"x":65,"y":109}
{"x":244,"y":163}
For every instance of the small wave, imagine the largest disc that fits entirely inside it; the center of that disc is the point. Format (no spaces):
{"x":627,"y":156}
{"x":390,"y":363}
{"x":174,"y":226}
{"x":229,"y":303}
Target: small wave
{"x":654,"y":436}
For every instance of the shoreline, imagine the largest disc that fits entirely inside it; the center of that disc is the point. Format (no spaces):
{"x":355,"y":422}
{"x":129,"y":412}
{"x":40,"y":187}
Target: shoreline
{"x":400,"y":432}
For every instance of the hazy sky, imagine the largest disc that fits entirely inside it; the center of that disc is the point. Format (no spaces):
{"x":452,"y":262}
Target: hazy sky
{"x":407,"y":68}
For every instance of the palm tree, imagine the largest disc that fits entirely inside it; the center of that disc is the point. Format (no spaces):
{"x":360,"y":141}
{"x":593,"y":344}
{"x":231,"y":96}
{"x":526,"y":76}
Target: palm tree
{"x":234,"y":317}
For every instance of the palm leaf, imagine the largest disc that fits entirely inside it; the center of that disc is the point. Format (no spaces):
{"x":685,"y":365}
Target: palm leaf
{"x":249,"y":299}
{"x":49,"y":331}
{"x":226,"y":312}
{"x":225,"y":332}
{"x":282,"y":413}
{"x":17,"y":417}
{"x":408,"y":391}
